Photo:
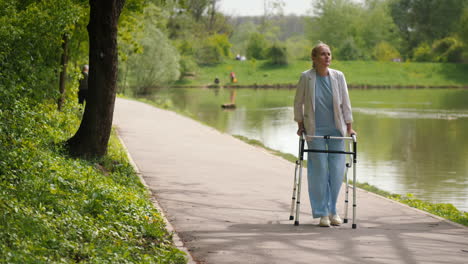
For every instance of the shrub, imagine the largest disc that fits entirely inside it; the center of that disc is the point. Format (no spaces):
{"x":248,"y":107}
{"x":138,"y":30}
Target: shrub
{"x":256,"y":46}
{"x":213,"y":50}
{"x":448,"y":49}
{"x":222,"y":42}
{"x":423,"y":53}
{"x":348,"y":50}
{"x":154,"y":61}
{"x":188,"y":66}
{"x":384,"y":51}
{"x":299,"y":48}
{"x":145,"y":71}
{"x":277,"y":55}
{"x":208,"y":54}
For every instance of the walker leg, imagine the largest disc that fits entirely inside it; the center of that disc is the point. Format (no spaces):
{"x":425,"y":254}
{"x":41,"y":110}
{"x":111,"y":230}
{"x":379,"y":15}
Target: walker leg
{"x":293,"y":202}
{"x":345,"y":220}
{"x":298,"y":200}
{"x":354,"y":195}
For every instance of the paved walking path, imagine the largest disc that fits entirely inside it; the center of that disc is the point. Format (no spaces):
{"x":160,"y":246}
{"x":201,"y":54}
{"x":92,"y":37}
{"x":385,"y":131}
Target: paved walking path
{"x":229,"y":202}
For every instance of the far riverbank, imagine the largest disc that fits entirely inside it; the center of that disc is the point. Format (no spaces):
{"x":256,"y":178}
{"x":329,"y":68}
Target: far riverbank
{"x":359,"y":74}
{"x":350,"y":86}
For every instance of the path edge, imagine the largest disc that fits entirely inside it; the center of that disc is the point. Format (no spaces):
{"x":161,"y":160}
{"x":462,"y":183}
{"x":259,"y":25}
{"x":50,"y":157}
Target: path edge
{"x":175,"y":237}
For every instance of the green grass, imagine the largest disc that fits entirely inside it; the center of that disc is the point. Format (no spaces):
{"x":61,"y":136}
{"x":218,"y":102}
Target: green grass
{"x":254,"y":142}
{"x":58,"y":209}
{"x":445,"y":210}
{"x":358,"y":73}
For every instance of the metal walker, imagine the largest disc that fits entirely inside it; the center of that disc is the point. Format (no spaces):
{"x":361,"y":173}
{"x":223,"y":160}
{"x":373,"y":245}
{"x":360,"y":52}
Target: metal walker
{"x":352,"y":159}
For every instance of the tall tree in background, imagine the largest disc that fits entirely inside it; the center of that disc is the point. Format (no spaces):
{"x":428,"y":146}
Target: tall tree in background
{"x":353,"y":29}
{"x":212,"y":14}
{"x":422,"y":21}
{"x":197,"y":7}
{"x":93,"y":134}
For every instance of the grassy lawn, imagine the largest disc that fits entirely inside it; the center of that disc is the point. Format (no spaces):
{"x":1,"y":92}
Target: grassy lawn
{"x":356,"y":72}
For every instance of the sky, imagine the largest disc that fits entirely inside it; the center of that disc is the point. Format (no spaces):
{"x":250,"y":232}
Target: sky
{"x":255,"y":7}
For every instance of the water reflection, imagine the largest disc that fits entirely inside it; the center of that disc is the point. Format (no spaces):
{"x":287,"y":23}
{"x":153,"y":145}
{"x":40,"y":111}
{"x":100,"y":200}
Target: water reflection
{"x":411,"y":140}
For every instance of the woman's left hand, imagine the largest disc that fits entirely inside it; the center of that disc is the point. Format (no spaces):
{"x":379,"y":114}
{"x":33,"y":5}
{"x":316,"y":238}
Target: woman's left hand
{"x":351,"y":132}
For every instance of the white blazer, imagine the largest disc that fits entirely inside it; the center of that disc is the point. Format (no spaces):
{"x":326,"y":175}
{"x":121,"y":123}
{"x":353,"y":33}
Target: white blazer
{"x":304,"y":101}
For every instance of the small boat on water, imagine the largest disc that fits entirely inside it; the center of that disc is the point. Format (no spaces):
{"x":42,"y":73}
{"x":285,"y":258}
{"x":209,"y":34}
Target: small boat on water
{"x":228,"y":106}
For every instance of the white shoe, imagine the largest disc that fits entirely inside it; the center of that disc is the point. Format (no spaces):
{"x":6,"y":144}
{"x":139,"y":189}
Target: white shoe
{"x":324,"y":221}
{"x":335,"y":220}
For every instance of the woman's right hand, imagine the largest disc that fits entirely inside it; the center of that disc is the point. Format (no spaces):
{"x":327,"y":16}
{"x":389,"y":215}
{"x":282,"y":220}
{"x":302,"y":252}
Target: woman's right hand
{"x":300,"y":129}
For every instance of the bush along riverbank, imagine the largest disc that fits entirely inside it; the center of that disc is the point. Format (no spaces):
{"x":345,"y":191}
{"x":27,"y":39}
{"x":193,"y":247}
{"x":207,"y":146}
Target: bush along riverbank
{"x":58,"y":209}
{"x":359,"y":74}
{"x":447,"y":211}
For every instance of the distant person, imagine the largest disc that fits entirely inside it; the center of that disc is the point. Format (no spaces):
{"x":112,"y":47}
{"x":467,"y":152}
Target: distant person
{"x":322,"y":107}
{"x":83,"y":88}
{"x":238,"y":57}
{"x":233,"y":77}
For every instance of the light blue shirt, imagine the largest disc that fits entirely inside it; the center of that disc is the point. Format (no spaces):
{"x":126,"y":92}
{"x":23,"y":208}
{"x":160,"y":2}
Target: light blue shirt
{"x":324,"y":113}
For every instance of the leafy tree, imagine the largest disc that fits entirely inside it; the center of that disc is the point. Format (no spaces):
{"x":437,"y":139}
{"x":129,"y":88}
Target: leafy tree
{"x":195,"y":18}
{"x":241,"y":34}
{"x":299,"y":47}
{"x":462,"y":32}
{"x":145,"y":71}
{"x":271,"y":8}
{"x":375,"y":26}
{"x":352,"y":29}
{"x":140,"y":70}
{"x":426,"y":21}
{"x":197,"y":7}
{"x":333,"y":21}
{"x":31,"y":45}
{"x":463,"y":25}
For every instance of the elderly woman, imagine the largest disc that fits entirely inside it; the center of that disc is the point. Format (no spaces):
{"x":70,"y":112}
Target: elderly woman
{"x":322,"y":107}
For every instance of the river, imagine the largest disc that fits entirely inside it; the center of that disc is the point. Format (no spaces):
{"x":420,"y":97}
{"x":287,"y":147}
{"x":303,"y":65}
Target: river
{"x":410,"y":140}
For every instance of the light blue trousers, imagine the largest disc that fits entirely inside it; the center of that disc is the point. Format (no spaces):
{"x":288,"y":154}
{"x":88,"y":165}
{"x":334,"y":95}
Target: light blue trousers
{"x":325,"y":172}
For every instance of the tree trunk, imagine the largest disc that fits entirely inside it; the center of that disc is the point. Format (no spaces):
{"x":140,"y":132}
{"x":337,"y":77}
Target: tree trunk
{"x":63,"y":73}
{"x":213,"y":13}
{"x":93,"y":135}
